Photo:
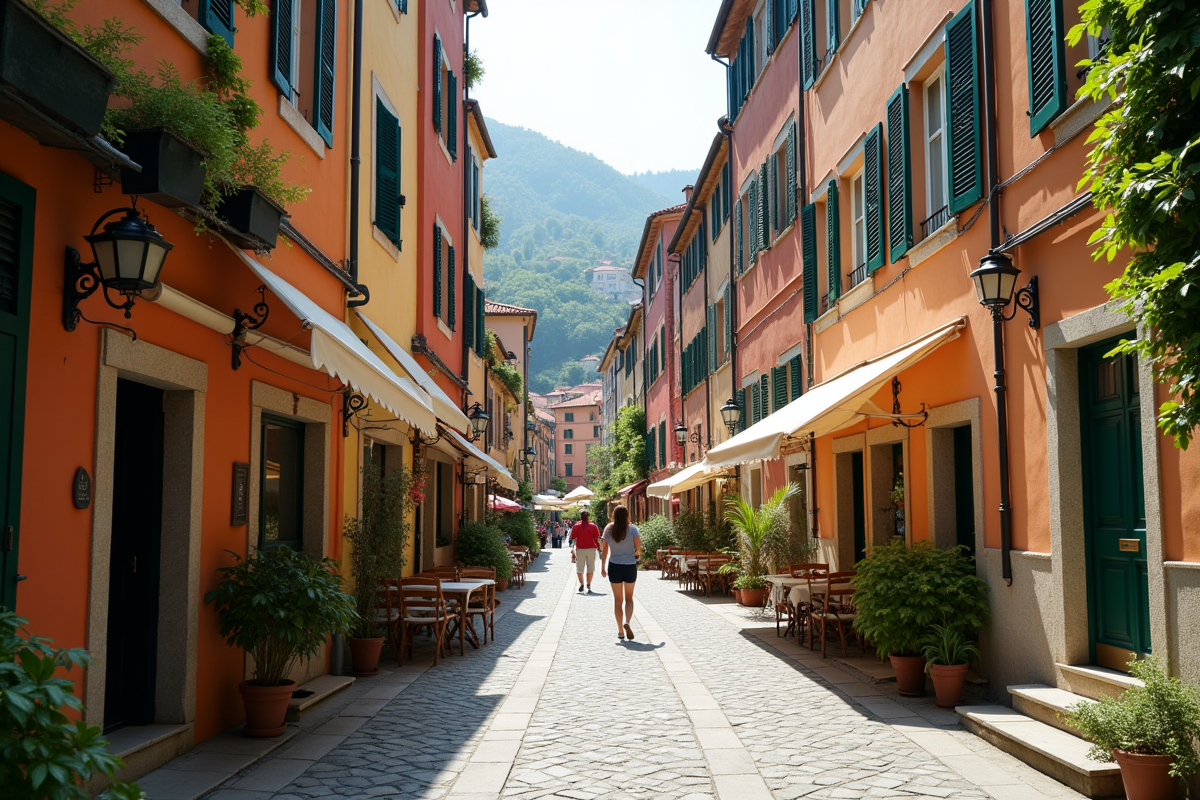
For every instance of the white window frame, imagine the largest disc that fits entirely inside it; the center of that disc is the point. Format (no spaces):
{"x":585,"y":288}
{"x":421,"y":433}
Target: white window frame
{"x":938,"y":76}
{"x":294,"y":77}
{"x":858,"y":218}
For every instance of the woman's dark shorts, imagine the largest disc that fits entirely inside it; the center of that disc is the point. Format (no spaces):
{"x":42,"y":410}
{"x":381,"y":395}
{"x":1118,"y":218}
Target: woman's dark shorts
{"x":622,"y":573}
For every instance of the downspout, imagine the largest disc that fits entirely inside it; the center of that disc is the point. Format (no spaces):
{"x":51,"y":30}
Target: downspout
{"x":360,"y":295}
{"x":727,"y":128}
{"x":984,"y":10}
{"x":466,"y":231}
{"x":802,"y":200}
{"x":708,"y":439}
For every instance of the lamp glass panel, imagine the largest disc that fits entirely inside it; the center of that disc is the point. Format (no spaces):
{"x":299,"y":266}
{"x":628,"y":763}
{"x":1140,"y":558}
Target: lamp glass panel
{"x":1007,"y":281}
{"x":129,"y":258}
{"x":104,"y":252}
{"x":979,"y":295}
{"x":155,"y":255}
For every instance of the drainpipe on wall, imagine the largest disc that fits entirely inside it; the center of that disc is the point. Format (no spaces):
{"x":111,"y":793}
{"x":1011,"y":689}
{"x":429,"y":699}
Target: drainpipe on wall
{"x":360,"y":295}
{"x":727,"y":129}
{"x":466,"y":230}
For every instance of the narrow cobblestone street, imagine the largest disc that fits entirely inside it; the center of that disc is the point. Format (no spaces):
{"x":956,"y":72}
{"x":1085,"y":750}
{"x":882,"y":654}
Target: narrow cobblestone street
{"x":706,"y":703}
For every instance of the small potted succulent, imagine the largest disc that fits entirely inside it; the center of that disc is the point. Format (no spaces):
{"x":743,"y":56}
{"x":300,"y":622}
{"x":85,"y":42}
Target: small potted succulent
{"x":280,"y":607}
{"x":948,"y":655}
{"x":1150,"y":731}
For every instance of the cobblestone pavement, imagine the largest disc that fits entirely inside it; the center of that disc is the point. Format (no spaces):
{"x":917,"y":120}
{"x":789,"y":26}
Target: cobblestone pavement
{"x":706,"y":703}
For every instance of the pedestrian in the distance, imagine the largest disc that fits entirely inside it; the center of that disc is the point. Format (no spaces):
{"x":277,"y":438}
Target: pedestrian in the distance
{"x":587,"y":540}
{"x":620,"y":550}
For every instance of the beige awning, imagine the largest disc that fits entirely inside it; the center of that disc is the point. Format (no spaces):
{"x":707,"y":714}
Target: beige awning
{"x":495,"y":469}
{"x":336,"y":349}
{"x":447,"y":410}
{"x":697,"y":474}
{"x":579,"y":493}
{"x":830,"y":405}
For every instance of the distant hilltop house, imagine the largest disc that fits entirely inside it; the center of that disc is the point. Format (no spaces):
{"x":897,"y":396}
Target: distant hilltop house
{"x":590,"y":362}
{"x":612,"y":281}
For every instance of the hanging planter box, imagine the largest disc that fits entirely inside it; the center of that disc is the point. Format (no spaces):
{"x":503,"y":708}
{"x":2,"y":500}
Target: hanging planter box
{"x":253,"y":215}
{"x":172,"y":172}
{"x":46,"y":79}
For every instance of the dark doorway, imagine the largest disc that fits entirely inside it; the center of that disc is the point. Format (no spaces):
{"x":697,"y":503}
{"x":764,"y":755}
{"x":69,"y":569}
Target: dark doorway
{"x":858,"y":487}
{"x":131,"y":661}
{"x":964,"y":489}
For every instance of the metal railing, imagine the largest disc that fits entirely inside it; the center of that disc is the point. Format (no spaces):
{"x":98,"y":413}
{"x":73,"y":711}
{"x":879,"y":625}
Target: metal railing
{"x":934,"y":221}
{"x":857,"y":276}
{"x":824,"y":303}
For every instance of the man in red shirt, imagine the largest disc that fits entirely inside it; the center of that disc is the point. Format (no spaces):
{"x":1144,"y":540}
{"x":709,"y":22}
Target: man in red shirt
{"x":587,"y":542}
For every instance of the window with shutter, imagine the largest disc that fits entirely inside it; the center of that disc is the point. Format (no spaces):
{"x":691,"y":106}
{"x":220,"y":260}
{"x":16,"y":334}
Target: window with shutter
{"x":808,"y":252}
{"x":791,"y":175}
{"x":797,"y":381}
{"x":387,"y":172}
{"x":452,"y":114}
{"x":741,"y":401}
{"x":752,"y":230}
{"x":764,"y":394}
{"x":476,"y":203}
{"x":480,"y":331}
{"x":469,"y":309}
{"x":737,"y":223}
{"x":873,"y":190}
{"x":437,"y":270}
{"x":323,"y":87}
{"x":808,"y":43}
{"x":755,"y":412}
{"x":833,"y":246}
{"x":779,"y":387}
{"x":712,"y":338}
{"x":217,"y":16}
{"x":662,"y":444}
{"x":437,"y":83}
{"x":452,"y":284}
{"x":727,"y":188}
{"x":769,"y":28}
{"x":651,"y":455}
{"x":962,"y":110}
{"x":899,"y":175}
{"x":834,"y":29}
{"x":1047,"y":62}
{"x":281,"y":43}
{"x":764,"y":200}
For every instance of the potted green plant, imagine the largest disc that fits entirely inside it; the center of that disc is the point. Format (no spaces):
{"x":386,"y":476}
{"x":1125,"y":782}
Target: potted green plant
{"x":1150,"y":731}
{"x":377,"y":540}
{"x":902,"y":591}
{"x":482,"y":545}
{"x":279,"y":606}
{"x":755,"y":527}
{"x":948,"y":655}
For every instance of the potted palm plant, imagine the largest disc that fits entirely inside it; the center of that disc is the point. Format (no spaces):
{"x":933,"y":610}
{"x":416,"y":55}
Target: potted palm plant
{"x":377,"y":541}
{"x":754,"y":528}
{"x":279,"y":606}
{"x":948,"y":655}
{"x":901,"y":592}
{"x":1150,"y":731}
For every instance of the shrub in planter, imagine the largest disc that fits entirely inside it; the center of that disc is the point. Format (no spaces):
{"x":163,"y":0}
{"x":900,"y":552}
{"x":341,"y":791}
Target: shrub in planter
{"x":482,"y":545}
{"x":518,"y":526}
{"x":656,"y":534}
{"x":755,"y":528}
{"x":44,"y":753}
{"x":901,"y":592}
{"x":1150,"y":731}
{"x":753,"y":589}
{"x":279,"y":606}
{"x":377,"y":541}
{"x":948,"y":654}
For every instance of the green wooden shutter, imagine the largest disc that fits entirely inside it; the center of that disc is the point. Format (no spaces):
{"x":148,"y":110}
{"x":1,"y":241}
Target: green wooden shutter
{"x":779,"y":388}
{"x":480,"y":323}
{"x":452,"y":109}
{"x":469,"y":309}
{"x":728,"y":318}
{"x":764,"y":395}
{"x":281,"y":43}
{"x":755,"y":411}
{"x":808,"y":252}
{"x":1047,"y":62}
{"x":437,"y":270}
{"x":769,"y":13}
{"x":962,"y":110}
{"x":741,"y":401}
{"x":387,"y":172}
{"x":326,"y":68}
{"x":752,"y":227}
{"x":899,"y":174}
{"x":833,"y":242}
{"x":650,"y":454}
{"x":797,"y":378}
{"x":437,"y":83}
{"x":712,"y":338}
{"x":791,"y":175}
{"x":833,"y":24}
{"x":662,"y":444}
{"x":808,"y":43}
{"x":737,"y":223}
{"x":764,"y":203}
{"x":217,"y":16}
{"x":452,"y":305}
{"x":873,"y":194}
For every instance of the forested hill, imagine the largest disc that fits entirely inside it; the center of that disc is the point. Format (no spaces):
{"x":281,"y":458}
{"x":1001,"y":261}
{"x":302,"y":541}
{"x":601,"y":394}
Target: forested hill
{"x":669,"y":182}
{"x":563,"y":211}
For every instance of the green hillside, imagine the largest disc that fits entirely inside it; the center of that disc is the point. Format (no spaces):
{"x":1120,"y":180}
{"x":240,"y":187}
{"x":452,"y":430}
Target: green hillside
{"x":668,"y":183}
{"x":563,"y":211}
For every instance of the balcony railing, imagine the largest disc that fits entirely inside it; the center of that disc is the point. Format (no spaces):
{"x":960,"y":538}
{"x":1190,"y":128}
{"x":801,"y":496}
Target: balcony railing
{"x":934,"y":221}
{"x":824,"y":303}
{"x":857,"y":276}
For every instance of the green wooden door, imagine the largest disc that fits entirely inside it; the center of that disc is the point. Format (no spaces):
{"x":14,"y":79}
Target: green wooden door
{"x":1114,"y":506}
{"x":858,"y":487}
{"x":16,"y":271}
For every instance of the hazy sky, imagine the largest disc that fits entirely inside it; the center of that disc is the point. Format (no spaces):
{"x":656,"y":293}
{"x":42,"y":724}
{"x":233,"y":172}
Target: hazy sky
{"x":626,"y":80}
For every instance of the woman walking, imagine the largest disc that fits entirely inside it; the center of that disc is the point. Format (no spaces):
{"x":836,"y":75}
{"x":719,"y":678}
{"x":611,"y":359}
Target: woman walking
{"x":620,"y":549}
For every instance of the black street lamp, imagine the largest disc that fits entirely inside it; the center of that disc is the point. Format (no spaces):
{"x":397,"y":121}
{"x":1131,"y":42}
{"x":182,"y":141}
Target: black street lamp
{"x":127,"y":258}
{"x":479,"y":421}
{"x":994,"y":283}
{"x":731,"y":414}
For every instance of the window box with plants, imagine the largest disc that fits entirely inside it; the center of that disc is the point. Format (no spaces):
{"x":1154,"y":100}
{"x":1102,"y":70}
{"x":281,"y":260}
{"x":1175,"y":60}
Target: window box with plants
{"x":280,"y":606}
{"x":902,"y":592}
{"x":48,"y":77}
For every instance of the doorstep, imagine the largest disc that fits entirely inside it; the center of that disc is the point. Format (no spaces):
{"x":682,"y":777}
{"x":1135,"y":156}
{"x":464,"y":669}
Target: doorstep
{"x":143,"y":748}
{"x":322,"y":688}
{"x":209,"y":764}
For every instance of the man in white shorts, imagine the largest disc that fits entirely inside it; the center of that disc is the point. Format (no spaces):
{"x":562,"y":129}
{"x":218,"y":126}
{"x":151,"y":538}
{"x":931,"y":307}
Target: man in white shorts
{"x":587,"y":542}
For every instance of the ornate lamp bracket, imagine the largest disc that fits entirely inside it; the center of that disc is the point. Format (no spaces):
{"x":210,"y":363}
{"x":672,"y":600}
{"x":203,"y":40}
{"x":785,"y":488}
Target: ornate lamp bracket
{"x":1027,"y":298}
{"x":898,"y":418}
{"x":81,"y":281}
{"x":243,"y":322}
{"x":352,"y":403}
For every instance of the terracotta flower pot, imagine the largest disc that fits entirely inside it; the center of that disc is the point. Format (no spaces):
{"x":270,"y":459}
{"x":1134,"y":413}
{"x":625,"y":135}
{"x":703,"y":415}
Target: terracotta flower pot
{"x":1146,"y":777}
{"x":266,"y":707}
{"x":948,"y":684}
{"x":365,"y":655}
{"x":737,"y":596}
{"x":501,"y":584}
{"x":910,"y":675}
{"x":754,"y":597}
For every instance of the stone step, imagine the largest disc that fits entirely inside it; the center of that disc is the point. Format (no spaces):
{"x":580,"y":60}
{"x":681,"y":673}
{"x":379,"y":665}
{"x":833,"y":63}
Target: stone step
{"x":1096,"y":682}
{"x":1045,"y":704}
{"x":1047,"y":749}
{"x":322,"y":688}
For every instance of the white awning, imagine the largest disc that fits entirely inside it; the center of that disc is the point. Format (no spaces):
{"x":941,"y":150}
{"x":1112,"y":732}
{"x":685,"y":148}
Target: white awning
{"x":696,"y":475}
{"x":579,"y":493}
{"x":494,"y":467}
{"x":446,"y":409}
{"x":337,"y":350}
{"x":830,"y":405}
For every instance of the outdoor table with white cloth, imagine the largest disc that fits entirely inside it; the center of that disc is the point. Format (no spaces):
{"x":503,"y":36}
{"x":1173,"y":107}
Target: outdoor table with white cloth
{"x":461,"y":591}
{"x":797,"y":588}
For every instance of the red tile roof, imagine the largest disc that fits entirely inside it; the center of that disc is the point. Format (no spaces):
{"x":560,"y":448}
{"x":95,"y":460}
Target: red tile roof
{"x":492,"y":307}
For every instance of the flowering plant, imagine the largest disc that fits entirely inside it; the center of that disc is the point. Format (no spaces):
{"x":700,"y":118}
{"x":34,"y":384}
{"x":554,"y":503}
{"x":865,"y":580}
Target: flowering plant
{"x":416,"y":492}
{"x":897,"y":493}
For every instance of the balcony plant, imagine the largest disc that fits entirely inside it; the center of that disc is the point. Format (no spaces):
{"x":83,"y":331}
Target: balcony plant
{"x":948,"y":655}
{"x":279,"y":606}
{"x":901,"y":592}
{"x":43,"y":752}
{"x":1150,"y":731}
{"x":754,"y":528}
{"x":482,"y":545}
{"x":377,"y":539}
